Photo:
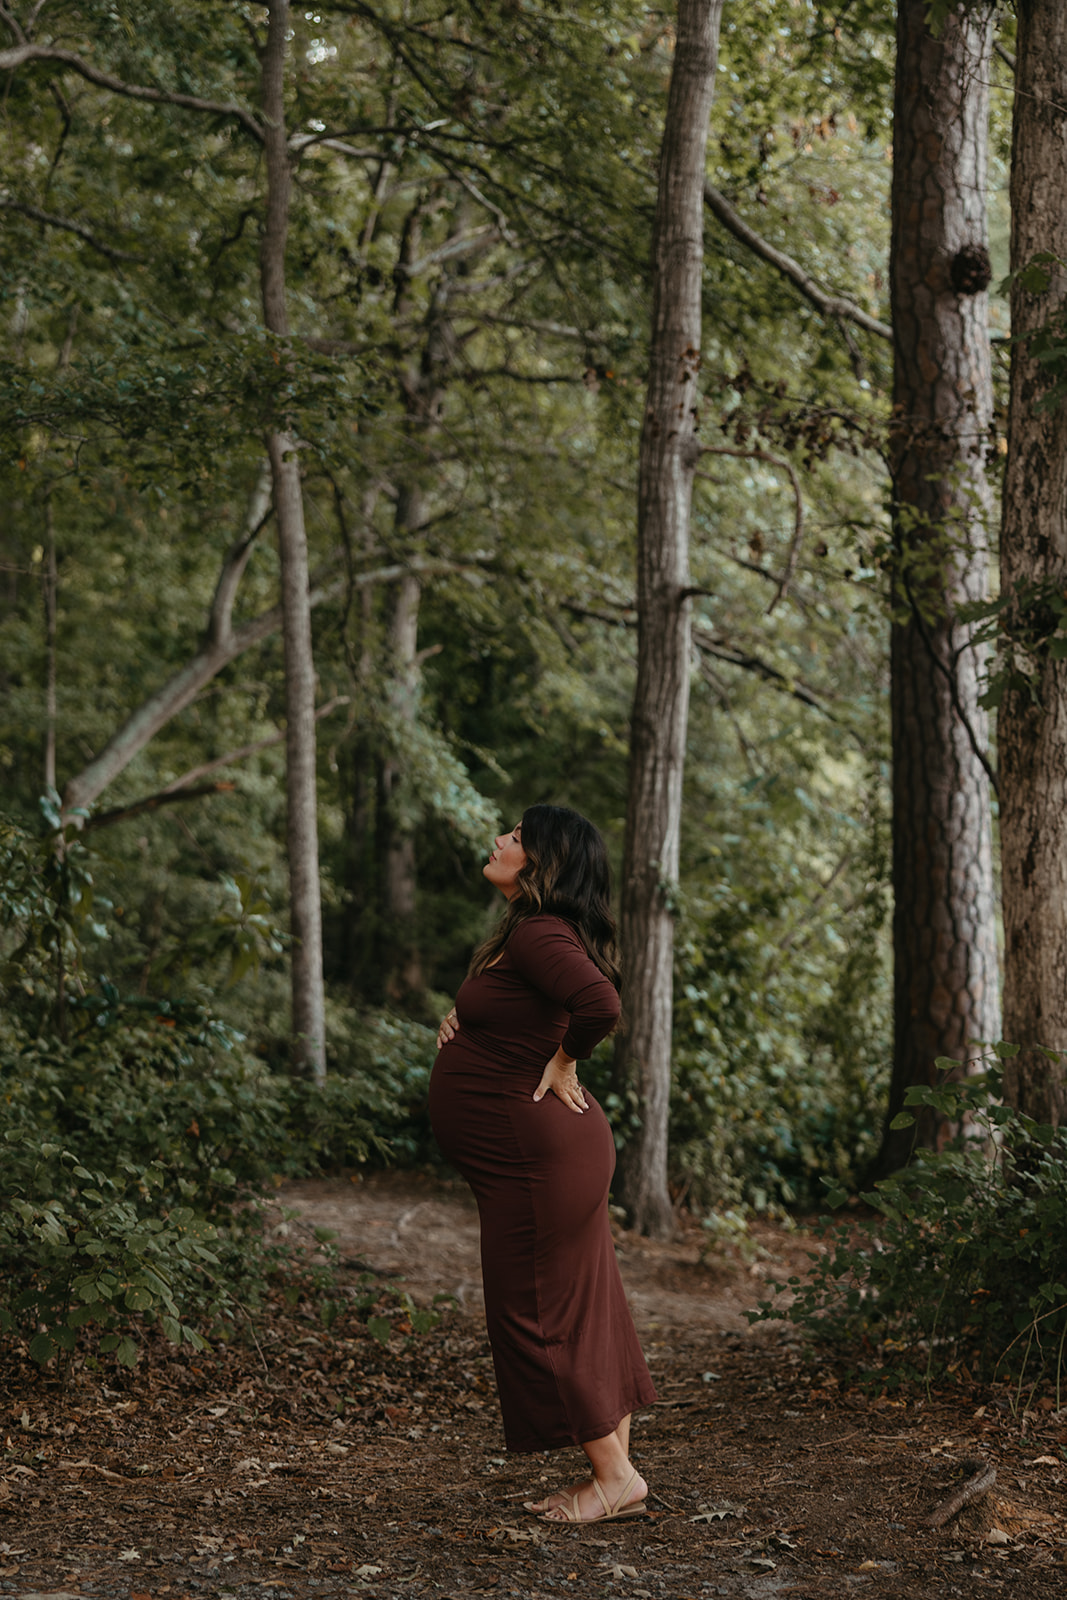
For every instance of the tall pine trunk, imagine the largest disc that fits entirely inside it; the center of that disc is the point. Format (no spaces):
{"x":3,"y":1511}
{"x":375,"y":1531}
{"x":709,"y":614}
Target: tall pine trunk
{"x":1032,"y":730}
{"x":305,"y":906}
{"x":668,"y":459}
{"x":944,"y":943}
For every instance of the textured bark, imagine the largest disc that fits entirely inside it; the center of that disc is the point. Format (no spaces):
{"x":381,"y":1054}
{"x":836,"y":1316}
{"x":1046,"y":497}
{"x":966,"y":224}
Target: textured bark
{"x":1033,"y":736}
{"x":668,"y":459}
{"x":302,"y":829}
{"x":944,"y":945}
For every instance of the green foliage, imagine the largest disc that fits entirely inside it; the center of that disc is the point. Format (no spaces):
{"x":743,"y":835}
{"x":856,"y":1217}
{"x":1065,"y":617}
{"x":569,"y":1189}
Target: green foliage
{"x":965,"y":1267}
{"x":467,"y":268}
{"x":1027,"y":625}
{"x":778,"y":1072}
{"x":137,"y":1147}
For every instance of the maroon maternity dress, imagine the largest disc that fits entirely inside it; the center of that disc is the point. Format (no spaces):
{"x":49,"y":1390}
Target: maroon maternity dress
{"x":568,"y":1364}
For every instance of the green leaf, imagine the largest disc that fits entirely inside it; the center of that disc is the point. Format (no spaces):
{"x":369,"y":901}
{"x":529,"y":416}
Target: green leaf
{"x":379,"y":1328}
{"x":903,"y":1119}
{"x":126,"y":1352}
{"x":42,"y":1348}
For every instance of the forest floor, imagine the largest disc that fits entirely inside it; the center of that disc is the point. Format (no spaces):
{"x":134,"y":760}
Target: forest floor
{"x":318,"y":1463}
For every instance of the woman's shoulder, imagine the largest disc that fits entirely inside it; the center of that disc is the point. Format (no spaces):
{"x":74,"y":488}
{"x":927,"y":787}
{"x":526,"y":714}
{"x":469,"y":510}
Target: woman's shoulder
{"x":544,"y":926}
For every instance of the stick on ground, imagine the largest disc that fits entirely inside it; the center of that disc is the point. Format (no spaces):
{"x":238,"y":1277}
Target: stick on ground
{"x":982,"y":1478}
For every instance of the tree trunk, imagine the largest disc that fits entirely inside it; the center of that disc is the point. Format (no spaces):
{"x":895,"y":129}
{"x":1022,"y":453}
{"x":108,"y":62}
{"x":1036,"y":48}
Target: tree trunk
{"x":302,"y":832}
{"x":1033,"y":731}
{"x":668,"y":458}
{"x":402,"y":966}
{"x":944,"y":944}
{"x":423,"y":384}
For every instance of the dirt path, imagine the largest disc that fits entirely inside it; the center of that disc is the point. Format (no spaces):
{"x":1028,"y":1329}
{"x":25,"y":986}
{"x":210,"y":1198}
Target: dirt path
{"x":324,"y":1464}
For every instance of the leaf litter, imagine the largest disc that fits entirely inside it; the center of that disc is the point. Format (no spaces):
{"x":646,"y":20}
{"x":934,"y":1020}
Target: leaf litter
{"x":345,"y":1466}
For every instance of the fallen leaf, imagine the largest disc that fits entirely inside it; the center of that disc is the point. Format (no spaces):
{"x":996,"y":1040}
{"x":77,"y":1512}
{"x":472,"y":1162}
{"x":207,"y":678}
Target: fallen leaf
{"x":997,"y":1536}
{"x":864,"y":1566}
{"x":624,"y":1572}
{"x":129,"y":1555}
{"x":718,"y":1509}
{"x":366,"y":1571}
{"x":1044,"y":1461}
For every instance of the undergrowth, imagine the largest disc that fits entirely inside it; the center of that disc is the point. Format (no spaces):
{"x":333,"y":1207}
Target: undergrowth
{"x":140,"y":1140}
{"x":963,"y":1272}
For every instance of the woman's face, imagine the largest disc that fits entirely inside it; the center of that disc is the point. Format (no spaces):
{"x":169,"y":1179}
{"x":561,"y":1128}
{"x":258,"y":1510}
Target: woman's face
{"x":506,"y":862}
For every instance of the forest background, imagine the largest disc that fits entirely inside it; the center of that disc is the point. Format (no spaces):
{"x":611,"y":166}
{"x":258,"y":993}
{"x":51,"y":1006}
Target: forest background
{"x":378,"y":280}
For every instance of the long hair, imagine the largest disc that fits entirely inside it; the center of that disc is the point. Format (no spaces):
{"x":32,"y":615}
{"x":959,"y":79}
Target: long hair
{"x":565,"y":873}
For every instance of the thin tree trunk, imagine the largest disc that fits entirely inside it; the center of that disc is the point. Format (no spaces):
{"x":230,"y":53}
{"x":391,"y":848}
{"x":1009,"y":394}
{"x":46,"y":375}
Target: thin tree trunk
{"x":668,"y":460}
{"x":1033,"y":731}
{"x":402,"y":967}
{"x":302,"y":830}
{"x":51,"y":585}
{"x":423,"y":385}
{"x":944,"y":943}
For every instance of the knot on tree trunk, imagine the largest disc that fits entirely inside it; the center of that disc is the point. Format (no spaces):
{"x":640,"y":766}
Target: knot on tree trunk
{"x":971,"y":269}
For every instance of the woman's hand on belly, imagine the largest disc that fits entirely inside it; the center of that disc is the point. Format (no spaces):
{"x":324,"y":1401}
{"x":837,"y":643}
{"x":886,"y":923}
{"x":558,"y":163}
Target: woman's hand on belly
{"x":559,"y":1076}
{"x":448,"y":1029}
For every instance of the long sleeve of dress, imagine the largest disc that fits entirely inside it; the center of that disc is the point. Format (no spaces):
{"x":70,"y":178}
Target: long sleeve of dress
{"x":549,"y":955}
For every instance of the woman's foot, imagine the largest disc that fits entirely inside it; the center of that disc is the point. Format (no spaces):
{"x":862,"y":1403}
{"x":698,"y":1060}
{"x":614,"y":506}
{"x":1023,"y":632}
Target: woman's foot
{"x":558,"y":1498}
{"x":595,"y":1500}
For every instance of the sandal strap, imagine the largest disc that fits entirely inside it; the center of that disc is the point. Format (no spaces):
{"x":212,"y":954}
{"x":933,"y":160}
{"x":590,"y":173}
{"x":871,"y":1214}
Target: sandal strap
{"x":609,"y":1509}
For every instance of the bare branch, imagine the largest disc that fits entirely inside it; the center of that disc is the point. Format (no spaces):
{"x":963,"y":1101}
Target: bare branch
{"x":829,"y":304}
{"x":104,"y":819}
{"x":714,"y":646}
{"x":466,"y":244}
{"x":20,"y":54}
{"x":79,"y":228}
{"x":1005,"y":55}
{"x":13,"y":24}
{"x":793,"y":554}
{"x":233,"y":756}
{"x":556,"y":330}
{"x":142,"y":725}
{"x":983,"y":1475}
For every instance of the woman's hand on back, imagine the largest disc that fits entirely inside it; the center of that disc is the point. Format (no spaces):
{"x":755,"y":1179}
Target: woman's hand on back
{"x":559,"y":1076}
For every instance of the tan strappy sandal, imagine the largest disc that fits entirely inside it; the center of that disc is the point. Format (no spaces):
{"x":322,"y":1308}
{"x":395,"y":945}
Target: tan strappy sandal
{"x":612,"y":1513}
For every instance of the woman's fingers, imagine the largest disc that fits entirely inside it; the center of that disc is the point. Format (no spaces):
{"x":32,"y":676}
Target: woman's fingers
{"x":448,"y":1029}
{"x":565,"y":1088}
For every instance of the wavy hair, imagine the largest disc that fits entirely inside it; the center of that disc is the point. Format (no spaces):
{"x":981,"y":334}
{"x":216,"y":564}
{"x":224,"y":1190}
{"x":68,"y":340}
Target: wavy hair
{"x":565,"y":873}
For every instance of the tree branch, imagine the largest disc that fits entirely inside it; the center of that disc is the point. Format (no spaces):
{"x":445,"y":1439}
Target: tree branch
{"x":830,"y":305}
{"x":798,"y":521}
{"x":233,"y":756}
{"x":50,"y":221}
{"x":104,"y":819}
{"x":182,"y":687}
{"x":982,"y":1478}
{"x":721,"y":651}
{"x":20,"y":54}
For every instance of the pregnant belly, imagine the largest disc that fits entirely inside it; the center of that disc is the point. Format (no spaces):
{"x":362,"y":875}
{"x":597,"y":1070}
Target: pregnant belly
{"x":488,"y":1125}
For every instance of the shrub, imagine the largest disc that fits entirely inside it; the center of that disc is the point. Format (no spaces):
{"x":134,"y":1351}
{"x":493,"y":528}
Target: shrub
{"x":965,"y":1269}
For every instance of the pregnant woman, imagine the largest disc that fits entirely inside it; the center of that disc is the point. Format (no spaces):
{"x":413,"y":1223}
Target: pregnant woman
{"x":536,"y":1149}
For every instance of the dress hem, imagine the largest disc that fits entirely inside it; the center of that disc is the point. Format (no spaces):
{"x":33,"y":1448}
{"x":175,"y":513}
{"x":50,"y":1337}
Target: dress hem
{"x":576,"y":1438}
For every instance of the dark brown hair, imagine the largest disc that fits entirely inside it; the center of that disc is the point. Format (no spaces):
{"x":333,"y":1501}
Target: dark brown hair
{"x":565,"y":873}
